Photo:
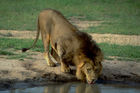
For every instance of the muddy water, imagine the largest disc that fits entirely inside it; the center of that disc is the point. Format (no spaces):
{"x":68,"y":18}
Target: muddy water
{"x":76,"y":88}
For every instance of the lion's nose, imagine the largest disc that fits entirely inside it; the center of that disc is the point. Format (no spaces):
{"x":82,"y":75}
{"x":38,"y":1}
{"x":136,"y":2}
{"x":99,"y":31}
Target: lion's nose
{"x":93,"y":80}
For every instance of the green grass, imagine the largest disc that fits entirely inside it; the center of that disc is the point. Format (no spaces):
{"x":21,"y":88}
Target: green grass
{"x":126,"y":52}
{"x":18,"y":44}
{"x":8,"y":53}
{"x":122,"y":52}
{"x":118,"y":16}
{"x":116,"y":28}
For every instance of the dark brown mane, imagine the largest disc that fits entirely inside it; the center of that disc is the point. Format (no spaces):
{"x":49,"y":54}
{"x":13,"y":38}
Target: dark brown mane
{"x":88,"y":46}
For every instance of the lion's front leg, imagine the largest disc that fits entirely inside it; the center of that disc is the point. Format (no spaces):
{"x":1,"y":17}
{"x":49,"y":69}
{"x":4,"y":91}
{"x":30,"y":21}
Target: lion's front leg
{"x":64,"y":66}
{"x":80,"y":75}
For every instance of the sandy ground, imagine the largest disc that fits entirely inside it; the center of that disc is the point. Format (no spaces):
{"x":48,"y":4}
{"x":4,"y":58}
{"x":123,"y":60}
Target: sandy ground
{"x":99,"y":38}
{"x":36,"y":69}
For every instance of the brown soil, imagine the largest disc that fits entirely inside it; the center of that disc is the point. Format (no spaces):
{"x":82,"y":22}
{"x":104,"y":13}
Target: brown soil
{"x":117,"y":39}
{"x":83,"y":24}
{"x":99,"y":38}
{"x":36,"y":69}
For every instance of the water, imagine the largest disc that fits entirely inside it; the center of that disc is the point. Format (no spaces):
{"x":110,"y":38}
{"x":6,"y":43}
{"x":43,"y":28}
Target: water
{"x":78,"y":88}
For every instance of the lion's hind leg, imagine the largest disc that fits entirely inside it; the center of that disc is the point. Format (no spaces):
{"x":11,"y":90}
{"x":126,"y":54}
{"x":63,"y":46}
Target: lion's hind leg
{"x":55,"y":55}
{"x":49,"y":60}
{"x":47,"y":56}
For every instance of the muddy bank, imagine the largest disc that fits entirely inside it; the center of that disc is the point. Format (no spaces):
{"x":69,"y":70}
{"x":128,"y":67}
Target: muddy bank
{"x":36,"y":70}
{"x":121,"y":71}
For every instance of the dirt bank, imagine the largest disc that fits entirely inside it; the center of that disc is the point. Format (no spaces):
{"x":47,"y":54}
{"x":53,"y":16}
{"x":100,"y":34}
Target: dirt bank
{"x":36,"y":69}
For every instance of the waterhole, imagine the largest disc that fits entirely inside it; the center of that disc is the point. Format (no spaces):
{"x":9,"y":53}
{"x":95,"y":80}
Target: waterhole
{"x":74,"y":87}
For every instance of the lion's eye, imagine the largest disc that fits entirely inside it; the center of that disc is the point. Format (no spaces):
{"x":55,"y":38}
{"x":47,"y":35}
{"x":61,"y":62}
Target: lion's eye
{"x":89,"y":70}
{"x":96,"y":70}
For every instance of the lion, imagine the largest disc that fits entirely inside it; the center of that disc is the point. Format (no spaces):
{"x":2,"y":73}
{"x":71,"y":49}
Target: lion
{"x":69,"y":46}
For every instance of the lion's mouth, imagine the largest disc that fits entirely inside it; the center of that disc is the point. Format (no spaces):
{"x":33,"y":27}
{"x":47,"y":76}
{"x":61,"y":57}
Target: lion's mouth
{"x":91,"y":82}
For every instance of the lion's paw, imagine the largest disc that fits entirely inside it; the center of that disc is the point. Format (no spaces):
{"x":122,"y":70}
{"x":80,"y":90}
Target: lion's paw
{"x":51,"y":64}
{"x":65,"y":69}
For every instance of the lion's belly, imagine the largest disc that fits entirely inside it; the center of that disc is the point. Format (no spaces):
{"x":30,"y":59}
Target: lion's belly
{"x":67,"y":48}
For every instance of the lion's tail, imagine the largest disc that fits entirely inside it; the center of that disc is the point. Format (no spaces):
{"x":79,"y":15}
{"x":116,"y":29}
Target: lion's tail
{"x":37,"y":36}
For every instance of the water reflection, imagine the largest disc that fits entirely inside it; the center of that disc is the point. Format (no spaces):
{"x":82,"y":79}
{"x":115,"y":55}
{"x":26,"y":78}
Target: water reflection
{"x":72,"y":88}
{"x":61,"y":88}
{"x":78,"y":88}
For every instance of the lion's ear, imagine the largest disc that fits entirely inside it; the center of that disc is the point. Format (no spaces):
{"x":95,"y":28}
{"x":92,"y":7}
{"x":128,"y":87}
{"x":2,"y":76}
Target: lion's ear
{"x":81,"y":64}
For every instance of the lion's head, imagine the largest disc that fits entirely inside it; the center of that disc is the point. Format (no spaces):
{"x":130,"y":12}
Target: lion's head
{"x":89,"y":70}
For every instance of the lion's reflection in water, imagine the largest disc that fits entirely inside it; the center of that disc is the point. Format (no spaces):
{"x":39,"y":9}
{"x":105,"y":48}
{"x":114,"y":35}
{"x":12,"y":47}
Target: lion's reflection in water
{"x":59,"y":88}
{"x":72,"y":88}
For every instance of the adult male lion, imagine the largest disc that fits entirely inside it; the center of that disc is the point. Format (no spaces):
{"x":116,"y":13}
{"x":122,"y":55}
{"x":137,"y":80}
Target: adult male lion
{"x":71,"y":46}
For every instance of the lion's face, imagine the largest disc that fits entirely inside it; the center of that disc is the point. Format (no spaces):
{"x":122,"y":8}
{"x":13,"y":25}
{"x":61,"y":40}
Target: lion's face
{"x":89,"y":69}
{"x":91,"y":72}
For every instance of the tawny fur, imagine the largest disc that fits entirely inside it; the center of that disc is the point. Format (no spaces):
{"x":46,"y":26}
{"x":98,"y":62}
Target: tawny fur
{"x":68,"y":46}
